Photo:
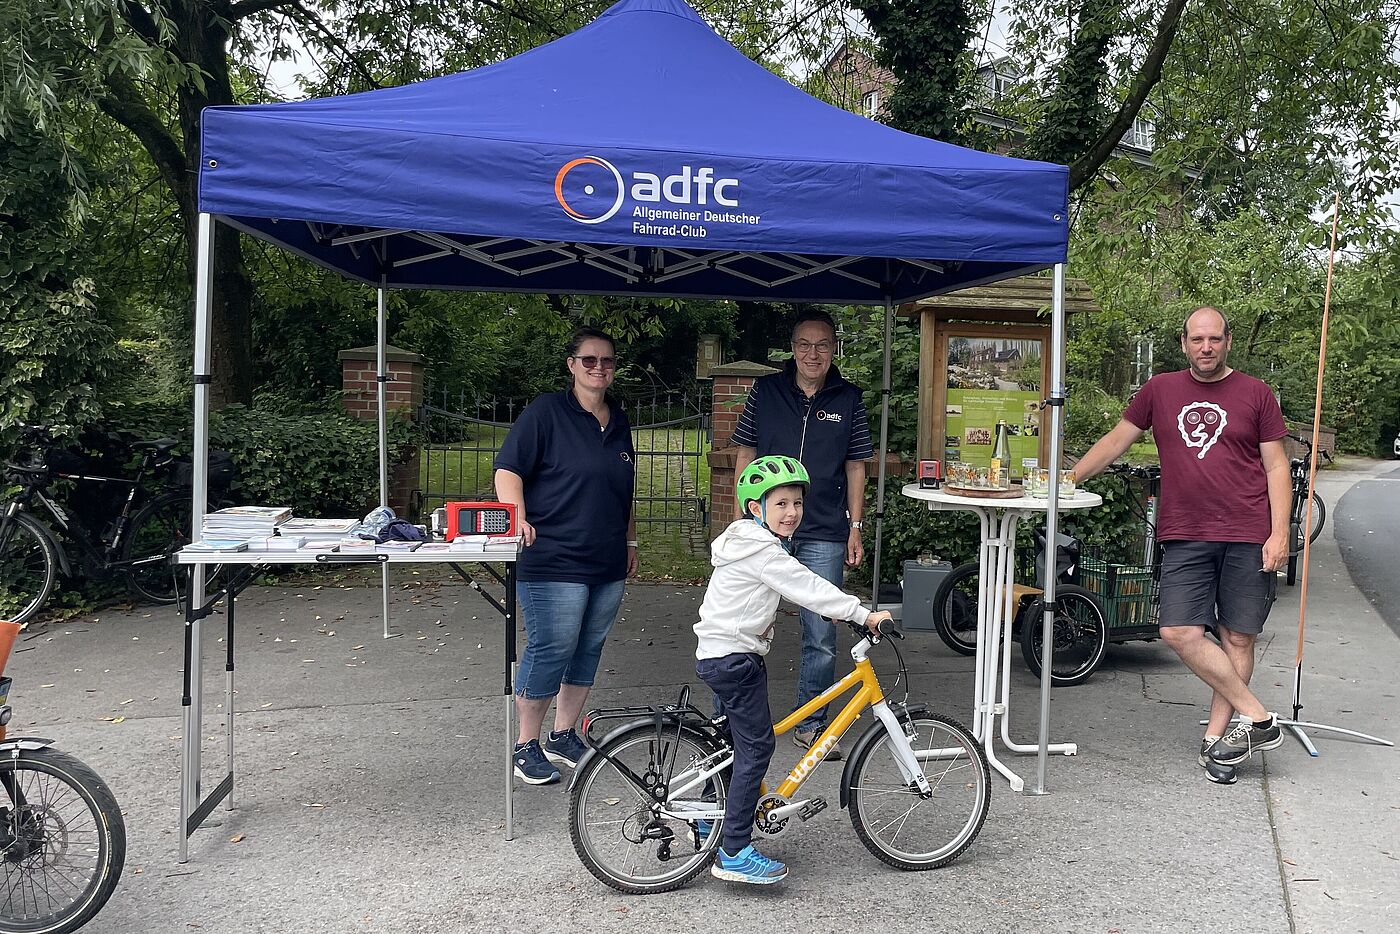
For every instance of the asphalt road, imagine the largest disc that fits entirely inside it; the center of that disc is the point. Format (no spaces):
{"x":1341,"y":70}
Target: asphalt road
{"x":1368,"y":533}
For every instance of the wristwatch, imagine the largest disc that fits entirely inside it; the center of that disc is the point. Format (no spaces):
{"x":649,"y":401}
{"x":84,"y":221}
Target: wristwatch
{"x":857,"y":524}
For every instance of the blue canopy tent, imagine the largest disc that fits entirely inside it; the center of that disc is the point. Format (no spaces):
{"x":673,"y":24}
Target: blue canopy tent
{"x":641,"y":155}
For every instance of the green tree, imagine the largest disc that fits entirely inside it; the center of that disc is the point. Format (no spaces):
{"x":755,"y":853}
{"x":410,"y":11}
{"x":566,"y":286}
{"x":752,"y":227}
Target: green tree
{"x":924,"y":43}
{"x":56,"y":347}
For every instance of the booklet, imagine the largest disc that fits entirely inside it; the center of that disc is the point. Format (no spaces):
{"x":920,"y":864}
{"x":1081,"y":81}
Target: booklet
{"x":211,"y":545}
{"x":324,"y":528}
{"x":286,"y":543}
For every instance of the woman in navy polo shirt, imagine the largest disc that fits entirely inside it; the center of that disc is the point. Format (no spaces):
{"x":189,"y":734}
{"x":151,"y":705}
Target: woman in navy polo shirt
{"x":567,"y":465}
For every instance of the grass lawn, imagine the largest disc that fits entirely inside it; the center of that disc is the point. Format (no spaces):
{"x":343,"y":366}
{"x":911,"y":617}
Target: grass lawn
{"x":667,"y":469}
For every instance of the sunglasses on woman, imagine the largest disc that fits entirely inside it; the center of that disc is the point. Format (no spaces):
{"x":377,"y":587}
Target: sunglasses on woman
{"x":591,"y":362}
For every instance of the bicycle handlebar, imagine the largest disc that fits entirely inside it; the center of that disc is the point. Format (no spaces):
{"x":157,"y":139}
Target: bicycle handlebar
{"x":1143,"y":471}
{"x":887,"y":630}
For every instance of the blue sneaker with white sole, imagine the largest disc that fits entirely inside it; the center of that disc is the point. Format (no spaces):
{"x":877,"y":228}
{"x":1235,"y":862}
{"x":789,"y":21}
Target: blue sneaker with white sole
{"x":748,"y":866}
{"x":531,"y":766}
{"x":564,"y":748}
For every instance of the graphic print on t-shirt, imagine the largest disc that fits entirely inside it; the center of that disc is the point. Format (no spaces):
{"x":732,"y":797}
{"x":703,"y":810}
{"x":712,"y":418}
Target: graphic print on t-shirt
{"x":1201,"y":425}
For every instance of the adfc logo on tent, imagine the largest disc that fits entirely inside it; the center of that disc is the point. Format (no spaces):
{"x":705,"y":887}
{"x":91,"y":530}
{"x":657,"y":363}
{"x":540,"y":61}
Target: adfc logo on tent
{"x":589,"y":189}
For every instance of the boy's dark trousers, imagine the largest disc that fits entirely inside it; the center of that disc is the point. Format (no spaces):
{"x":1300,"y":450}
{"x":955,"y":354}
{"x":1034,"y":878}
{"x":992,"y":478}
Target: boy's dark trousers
{"x":740,"y":683}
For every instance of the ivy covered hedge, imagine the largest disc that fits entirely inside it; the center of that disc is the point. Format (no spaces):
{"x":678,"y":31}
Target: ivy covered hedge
{"x":315,"y":458}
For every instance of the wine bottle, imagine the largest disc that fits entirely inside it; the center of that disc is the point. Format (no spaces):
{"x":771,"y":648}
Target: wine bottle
{"x":1001,"y":458}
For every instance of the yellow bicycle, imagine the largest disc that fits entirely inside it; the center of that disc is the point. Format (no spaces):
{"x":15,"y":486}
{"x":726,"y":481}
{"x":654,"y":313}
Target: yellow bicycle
{"x":646,"y":806}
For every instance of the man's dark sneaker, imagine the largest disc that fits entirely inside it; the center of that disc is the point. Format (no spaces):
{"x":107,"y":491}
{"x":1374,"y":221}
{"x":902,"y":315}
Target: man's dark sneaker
{"x":1220,"y":774}
{"x":1244,"y":739}
{"x":531,"y":766}
{"x":564,"y":748}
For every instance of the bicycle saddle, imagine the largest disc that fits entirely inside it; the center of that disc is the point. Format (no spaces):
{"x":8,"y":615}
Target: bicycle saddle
{"x":160,"y":445}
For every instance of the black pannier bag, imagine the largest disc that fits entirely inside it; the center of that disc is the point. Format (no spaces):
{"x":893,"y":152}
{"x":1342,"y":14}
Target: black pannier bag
{"x":222,"y":472}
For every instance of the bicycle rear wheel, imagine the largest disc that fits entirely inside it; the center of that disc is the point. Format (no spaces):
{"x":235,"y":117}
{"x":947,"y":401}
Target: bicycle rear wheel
{"x":618,"y":833}
{"x":1080,"y":636}
{"x":898,"y":824}
{"x":159,"y":530}
{"x":28,"y":568}
{"x":955,"y":609}
{"x":62,"y":842}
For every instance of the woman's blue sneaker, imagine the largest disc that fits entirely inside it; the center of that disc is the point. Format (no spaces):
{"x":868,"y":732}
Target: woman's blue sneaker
{"x":531,"y":765}
{"x":564,"y":748}
{"x":749,"y":866}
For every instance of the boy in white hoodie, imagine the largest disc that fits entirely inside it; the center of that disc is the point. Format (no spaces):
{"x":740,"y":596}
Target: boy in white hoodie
{"x":753,"y":571}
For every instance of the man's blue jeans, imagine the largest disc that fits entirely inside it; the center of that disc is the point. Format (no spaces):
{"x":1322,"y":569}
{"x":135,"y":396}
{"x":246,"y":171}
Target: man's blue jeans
{"x":818,"y":672}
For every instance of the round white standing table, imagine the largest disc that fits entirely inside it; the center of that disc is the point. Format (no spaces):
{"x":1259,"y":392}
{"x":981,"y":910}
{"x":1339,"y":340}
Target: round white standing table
{"x":996,"y":575}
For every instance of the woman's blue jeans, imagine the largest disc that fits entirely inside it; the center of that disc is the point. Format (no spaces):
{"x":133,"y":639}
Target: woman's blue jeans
{"x":566,"y":625}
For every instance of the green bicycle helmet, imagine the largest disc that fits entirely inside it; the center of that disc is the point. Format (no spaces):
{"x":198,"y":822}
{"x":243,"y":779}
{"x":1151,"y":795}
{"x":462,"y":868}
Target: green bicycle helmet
{"x":767,"y":472}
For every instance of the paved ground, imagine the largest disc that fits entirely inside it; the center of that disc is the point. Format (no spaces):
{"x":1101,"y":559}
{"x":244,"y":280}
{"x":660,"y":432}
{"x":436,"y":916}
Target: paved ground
{"x":370,"y":792}
{"x":1367,"y":519}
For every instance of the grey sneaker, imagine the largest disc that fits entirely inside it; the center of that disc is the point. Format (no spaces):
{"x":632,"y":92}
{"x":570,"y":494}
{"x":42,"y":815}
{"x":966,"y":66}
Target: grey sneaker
{"x":1220,"y":774}
{"x":804,"y":739}
{"x":1244,"y":739}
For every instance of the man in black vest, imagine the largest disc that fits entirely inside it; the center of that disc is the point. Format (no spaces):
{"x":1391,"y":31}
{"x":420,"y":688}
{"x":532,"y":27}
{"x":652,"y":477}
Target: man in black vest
{"x":809,"y":412}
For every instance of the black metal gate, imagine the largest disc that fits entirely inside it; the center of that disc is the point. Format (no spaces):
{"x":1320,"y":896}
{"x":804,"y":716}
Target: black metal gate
{"x":670,"y":432}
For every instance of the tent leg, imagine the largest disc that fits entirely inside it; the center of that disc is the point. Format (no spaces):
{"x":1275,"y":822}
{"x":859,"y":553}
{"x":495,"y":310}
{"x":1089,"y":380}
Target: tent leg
{"x":884,"y":446}
{"x":1056,"y":402}
{"x":193,"y":701}
{"x":381,"y":378}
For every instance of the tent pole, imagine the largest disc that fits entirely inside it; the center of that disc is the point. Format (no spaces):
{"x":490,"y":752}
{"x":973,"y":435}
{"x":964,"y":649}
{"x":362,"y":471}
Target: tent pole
{"x":199,"y":496}
{"x":884,"y":446}
{"x":381,"y":372}
{"x":1056,"y":402}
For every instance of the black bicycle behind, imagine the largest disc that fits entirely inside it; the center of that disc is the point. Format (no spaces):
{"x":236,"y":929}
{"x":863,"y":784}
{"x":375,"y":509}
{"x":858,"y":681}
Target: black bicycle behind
{"x":1080,"y":632}
{"x":36,"y":530}
{"x":1298,"y":511}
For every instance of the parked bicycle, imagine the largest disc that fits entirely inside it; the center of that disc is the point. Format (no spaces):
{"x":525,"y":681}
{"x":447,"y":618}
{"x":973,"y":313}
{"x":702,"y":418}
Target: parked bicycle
{"x":646,"y":807}
{"x":1297,"y":513}
{"x":36,"y":531}
{"x":62,"y":836}
{"x":1080,"y":634}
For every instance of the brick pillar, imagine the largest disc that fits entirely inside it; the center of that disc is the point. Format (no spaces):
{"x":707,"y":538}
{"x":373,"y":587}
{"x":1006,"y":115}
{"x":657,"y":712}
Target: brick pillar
{"x":732,"y":383}
{"x":403,"y":395}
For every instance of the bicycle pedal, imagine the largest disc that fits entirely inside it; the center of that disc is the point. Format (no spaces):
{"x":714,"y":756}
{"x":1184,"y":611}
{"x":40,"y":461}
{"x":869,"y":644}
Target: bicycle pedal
{"x":812,"y":808}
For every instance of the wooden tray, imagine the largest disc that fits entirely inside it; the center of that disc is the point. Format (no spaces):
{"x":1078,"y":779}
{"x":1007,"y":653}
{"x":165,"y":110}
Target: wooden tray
{"x":1014,"y":493}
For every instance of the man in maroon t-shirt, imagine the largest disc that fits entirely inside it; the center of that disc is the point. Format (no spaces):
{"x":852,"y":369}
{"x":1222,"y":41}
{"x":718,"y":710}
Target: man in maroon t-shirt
{"x":1222,"y":522}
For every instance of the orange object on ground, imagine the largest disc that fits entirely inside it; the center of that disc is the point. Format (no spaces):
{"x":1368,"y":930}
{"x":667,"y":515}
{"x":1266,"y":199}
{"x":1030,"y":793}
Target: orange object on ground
{"x":8,"y":633}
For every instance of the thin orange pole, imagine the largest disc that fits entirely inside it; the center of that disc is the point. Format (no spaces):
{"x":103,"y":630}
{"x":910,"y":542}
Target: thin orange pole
{"x":1312,"y":467}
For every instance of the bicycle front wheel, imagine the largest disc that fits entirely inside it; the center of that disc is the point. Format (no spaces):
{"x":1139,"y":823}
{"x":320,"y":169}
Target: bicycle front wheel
{"x":1295,"y":526}
{"x":28,"y":568}
{"x":62,"y":842}
{"x":618,"y":833}
{"x":1319,"y":517}
{"x":895,"y":821}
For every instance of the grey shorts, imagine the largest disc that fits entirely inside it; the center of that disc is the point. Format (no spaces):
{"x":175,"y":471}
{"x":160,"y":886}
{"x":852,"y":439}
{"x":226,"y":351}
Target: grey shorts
{"x":1215,"y":584}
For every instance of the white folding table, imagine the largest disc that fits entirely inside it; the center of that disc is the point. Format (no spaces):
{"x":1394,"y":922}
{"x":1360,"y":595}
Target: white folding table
{"x":243,"y":567}
{"x":996,"y":575}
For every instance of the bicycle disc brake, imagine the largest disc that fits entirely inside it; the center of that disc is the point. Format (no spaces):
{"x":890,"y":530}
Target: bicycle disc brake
{"x":763,"y":823}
